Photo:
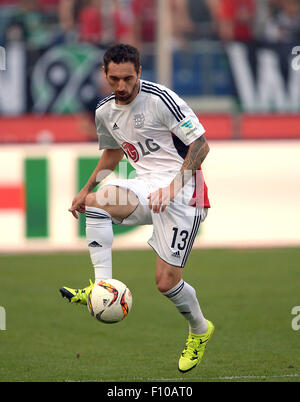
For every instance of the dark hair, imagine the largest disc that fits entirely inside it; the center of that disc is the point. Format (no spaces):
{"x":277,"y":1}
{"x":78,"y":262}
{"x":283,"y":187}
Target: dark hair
{"x":121,"y":53}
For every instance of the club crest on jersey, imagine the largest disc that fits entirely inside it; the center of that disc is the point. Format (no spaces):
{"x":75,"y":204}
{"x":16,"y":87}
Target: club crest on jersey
{"x":139,"y":120}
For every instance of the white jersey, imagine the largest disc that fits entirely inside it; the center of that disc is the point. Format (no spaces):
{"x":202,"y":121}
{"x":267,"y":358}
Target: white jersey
{"x":154,"y":130}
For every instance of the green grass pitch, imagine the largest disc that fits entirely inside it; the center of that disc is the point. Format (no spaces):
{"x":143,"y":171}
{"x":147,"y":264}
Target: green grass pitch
{"x":248,"y":294}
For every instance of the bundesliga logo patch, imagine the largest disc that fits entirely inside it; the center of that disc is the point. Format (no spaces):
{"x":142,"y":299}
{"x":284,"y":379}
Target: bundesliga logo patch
{"x":188,"y":127}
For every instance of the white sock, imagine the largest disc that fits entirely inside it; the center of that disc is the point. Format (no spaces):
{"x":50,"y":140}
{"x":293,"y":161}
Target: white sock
{"x":99,"y":234}
{"x":183,"y":296}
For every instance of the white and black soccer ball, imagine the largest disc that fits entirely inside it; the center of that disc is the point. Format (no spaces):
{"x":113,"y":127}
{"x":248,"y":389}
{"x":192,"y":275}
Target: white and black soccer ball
{"x":109,"y":301}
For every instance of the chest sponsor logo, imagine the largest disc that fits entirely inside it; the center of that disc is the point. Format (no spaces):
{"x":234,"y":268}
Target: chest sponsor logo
{"x":131,"y":151}
{"x":146,"y":148}
{"x":139,"y":120}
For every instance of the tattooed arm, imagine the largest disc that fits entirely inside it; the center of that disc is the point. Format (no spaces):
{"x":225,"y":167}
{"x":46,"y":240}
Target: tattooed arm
{"x":196,"y":154}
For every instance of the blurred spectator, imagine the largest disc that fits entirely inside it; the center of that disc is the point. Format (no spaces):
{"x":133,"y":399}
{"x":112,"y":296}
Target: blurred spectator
{"x":67,"y":14}
{"x":41,"y":5}
{"x":30,"y":20}
{"x":283,"y":26}
{"x":100,"y":22}
{"x":145,"y":17}
{"x":7,"y":12}
{"x":263,"y":8}
{"x":48,"y":6}
{"x":8,"y":3}
{"x":235,"y":20}
{"x":194,"y":19}
{"x":90,"y":23}
{"x":123,"y":17}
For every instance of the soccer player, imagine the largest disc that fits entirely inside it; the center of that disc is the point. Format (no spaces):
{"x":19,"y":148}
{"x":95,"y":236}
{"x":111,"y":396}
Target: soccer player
{"x":163,"y":140}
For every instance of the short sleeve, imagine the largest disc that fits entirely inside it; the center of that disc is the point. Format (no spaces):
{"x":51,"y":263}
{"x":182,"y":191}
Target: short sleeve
{"x":105,"y":139}
{"x":179,"y":118}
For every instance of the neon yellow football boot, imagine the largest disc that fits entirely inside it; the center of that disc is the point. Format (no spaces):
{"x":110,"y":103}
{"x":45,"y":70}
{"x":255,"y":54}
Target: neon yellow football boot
{"x":77,"y":296}
{"x":195,"y":347}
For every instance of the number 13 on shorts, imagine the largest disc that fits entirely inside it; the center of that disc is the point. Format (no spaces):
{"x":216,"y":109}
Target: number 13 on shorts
{"x":174,"y":233}
{"x":179,"y":241}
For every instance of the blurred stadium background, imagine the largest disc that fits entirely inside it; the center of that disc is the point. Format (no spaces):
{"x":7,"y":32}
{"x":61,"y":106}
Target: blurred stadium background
{"x":237,"y":63}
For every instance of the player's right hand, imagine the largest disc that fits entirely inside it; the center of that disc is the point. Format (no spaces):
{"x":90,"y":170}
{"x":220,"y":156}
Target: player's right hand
{"x":78,"y":204}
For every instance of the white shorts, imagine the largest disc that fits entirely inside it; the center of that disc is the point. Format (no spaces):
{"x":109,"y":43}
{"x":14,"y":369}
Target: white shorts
{"x":174,"y":230}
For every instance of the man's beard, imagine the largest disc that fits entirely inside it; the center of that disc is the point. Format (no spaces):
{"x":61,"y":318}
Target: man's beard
{"x":122,"y":96}
{"x":126,"y":96}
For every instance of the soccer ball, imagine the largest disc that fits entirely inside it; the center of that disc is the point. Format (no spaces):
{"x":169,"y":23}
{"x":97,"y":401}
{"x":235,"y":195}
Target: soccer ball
{"x":109,"y":301}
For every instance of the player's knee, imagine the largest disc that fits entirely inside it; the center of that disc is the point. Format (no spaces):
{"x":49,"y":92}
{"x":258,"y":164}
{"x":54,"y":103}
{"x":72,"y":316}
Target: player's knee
{"x":116,"y":201}
{"x":165,"y":282}
{"x":90,"y":200}
{"x":98,"y":200}
{"x":104,"y":197}
{"x":113,"y":196}
{"x":167,"y":276}
{"x":163,"y":287}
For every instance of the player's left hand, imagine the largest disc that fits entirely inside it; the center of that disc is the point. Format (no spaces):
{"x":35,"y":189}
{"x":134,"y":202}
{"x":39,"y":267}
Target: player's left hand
{"x":160,"y":199}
